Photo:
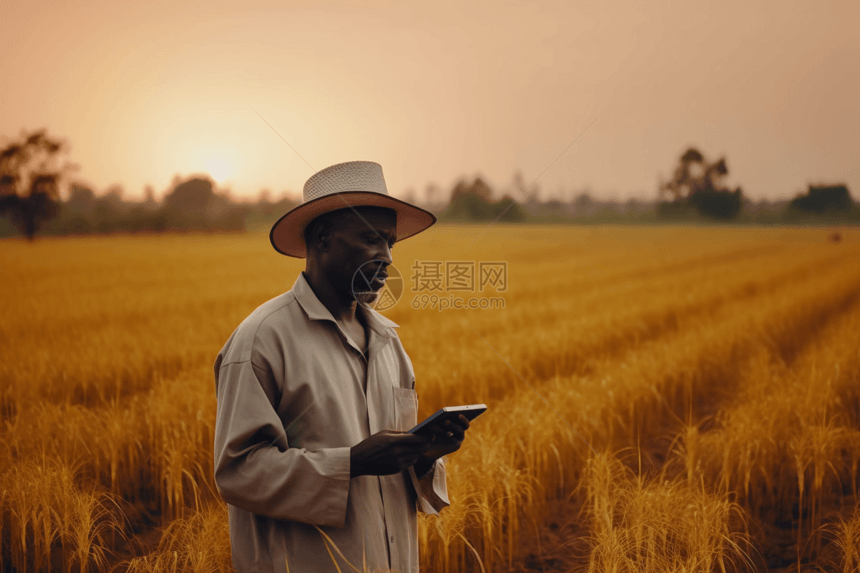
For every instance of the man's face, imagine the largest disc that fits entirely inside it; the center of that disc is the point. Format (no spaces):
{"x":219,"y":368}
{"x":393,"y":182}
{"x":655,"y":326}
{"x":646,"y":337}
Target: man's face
{"x":360,"y":251}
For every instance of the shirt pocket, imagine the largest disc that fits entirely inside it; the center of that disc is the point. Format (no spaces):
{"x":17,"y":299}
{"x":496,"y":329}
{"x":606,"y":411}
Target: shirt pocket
{"x":405,"y":408}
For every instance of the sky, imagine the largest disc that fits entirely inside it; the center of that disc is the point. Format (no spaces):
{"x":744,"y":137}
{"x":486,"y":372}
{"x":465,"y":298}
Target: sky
{"x":596,"y":96}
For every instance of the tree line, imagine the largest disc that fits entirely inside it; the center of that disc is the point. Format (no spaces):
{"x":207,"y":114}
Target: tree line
{"x":31,"y":176}
{"x":696,"y":191}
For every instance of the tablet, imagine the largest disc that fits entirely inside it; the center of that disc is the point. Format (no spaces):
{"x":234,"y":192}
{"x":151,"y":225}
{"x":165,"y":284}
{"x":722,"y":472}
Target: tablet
{"x":471,"y":412}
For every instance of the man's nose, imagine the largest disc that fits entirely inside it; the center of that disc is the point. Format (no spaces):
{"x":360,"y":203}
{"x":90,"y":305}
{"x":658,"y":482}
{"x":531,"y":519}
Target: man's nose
{"x":384,"y":254}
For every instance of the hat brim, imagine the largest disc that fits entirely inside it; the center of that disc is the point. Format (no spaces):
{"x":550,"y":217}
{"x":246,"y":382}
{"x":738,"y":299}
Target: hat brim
{"x":287,"y":234}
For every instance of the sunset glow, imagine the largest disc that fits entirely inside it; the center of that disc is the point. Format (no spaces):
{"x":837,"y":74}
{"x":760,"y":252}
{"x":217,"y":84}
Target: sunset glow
{"x":144,"y":91}
{"x":219,"y":168}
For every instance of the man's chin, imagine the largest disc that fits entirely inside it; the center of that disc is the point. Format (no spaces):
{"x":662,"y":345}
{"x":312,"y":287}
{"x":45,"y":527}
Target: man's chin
{"x":367,"y":297}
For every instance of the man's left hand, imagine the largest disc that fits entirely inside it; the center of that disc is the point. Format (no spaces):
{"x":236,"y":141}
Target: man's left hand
{"x":448,"y":437}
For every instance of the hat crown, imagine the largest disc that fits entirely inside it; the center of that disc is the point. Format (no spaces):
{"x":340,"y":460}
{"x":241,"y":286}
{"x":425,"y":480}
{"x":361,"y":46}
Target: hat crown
{"x":363,"y":176}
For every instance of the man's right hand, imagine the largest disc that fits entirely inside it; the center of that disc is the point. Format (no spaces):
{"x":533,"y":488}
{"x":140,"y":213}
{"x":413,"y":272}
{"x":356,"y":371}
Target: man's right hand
{"x":386,"y":452}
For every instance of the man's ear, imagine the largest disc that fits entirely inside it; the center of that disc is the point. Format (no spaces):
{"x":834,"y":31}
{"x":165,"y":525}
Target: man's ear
{"x":320,"y":235}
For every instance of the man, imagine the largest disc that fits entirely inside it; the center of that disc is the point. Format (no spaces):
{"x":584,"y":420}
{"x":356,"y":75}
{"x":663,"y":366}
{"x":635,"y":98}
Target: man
{"x":315,"y":392}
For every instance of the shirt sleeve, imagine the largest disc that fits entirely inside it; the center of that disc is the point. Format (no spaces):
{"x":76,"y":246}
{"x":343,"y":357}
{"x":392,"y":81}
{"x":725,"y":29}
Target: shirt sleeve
{"x":432,"y":489}
{"x":255,"y":467}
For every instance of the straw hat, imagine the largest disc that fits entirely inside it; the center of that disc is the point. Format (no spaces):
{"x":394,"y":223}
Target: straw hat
{"x":351,"y":184}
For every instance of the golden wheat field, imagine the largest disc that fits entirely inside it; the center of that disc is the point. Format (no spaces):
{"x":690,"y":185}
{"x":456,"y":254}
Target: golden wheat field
{"x":671,"y":399}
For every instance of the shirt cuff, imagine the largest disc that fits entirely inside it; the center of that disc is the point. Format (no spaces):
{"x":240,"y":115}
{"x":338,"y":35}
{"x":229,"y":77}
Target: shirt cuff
{"x":432,"y":488}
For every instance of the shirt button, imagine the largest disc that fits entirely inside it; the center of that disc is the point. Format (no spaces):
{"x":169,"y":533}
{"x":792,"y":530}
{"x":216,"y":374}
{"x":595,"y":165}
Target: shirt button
{"x":392,"y":539}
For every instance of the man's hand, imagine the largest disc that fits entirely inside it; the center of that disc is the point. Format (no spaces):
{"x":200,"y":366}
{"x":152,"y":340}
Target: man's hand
{"x":386,"y":452}
{"x":447,"y":438}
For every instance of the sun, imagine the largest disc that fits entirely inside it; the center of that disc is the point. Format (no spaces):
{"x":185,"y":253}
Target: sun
{"x":219,"y":168}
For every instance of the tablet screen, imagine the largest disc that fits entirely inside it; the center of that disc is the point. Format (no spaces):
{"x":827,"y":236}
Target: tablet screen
{"x":471,"y":412}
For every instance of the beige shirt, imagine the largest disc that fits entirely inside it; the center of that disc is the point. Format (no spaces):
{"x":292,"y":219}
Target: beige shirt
{"x":291,"y":403}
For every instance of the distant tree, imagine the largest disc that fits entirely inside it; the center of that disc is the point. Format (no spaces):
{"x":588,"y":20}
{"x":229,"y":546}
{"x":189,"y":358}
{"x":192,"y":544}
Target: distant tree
{"x":633,"y":205}
{"x":610,"y":207}
{"x":77,"y":213}
{"x":30,"y":180}
{"x":519,"y":183}
{"x":110,"y":212}
{"x":82,"y":200}
{"x":584,"y":204}
{"x":699,"y":184}
{"x":467,"y":206}
{"x":264,"y":201}
{"x":508,"y":210}
{"x":264,"y":197}
{"x":191,"y":197}
{"x":478,"y":188}
{"x":823,"y":198}
{"x":470,"y":201}
{"x":481,"y":189}
{"x":149,"y":202}
{"x":521,"y":190}
{"x":555,"y":207}
{"x":473,"y":202}
{"x":193,"y":204}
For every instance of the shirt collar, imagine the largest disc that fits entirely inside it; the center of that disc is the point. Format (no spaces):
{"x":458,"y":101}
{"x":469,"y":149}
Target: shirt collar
{"x":318,"y":311}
